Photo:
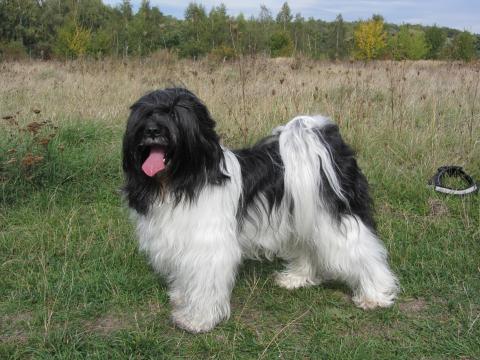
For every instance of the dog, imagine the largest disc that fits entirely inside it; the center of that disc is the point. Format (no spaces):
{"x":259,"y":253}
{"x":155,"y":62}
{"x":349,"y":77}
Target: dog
{"x":200,"y":208}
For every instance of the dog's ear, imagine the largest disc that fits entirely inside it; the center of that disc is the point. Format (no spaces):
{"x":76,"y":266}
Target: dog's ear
{"x":198,"y":157}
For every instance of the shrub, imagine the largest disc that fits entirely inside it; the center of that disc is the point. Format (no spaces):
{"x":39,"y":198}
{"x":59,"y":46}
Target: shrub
{"x":408,"y":44}
{"x":13,"y":50}
{"x":223,"y":53}
{"x":281,"y":44}
{"x":72,"y":40}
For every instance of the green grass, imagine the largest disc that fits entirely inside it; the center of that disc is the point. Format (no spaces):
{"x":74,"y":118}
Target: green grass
{"x":73,"y":285}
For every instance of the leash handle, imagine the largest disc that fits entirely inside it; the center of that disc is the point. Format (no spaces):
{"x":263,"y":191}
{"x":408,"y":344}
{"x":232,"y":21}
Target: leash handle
{"x":458,"y":171}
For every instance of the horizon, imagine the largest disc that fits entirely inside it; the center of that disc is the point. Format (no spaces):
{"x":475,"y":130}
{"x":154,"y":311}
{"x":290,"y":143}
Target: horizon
{"x":461,"y":15}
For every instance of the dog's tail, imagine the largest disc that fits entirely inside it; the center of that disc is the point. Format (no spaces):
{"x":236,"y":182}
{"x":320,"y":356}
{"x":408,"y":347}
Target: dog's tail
{"x":310,"y":170}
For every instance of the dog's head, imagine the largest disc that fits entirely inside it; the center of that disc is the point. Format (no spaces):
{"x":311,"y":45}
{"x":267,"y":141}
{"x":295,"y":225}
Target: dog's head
{"x":170,"y":148}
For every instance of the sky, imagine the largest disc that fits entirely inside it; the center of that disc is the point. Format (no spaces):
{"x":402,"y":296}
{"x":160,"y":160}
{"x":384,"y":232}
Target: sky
{"x":459,"y":14}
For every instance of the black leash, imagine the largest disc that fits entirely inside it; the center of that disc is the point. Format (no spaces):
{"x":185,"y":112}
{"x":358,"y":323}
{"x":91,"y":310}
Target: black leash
{"x":436,"y":181}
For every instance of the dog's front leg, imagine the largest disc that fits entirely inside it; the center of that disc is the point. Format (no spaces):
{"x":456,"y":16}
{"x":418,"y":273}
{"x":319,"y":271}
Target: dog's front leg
{"x":202,"y":283}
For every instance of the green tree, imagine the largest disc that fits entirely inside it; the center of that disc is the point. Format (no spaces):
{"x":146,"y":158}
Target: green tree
{"x":337,"y":43}
{"x":284,"y":17}
{"x":144,"y":31}
{"x":463,"y":46}
{"x":195,"y":40}
{"x":298,"y":32}
{"x":218,"y":26}
{"x":19,"y":22}
{"x":265,"y":15}
{"x":126,"y":10}
{"x":263,"y":27}
{"x":281,"y":44}
{"x":435,"y":39}
{"x":90,"y":14}
{"x":408,"y":44}
{"x":100,"y":43}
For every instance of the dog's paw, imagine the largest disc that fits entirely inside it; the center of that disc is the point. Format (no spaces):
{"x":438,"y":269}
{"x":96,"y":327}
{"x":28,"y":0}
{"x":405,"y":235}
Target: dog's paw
{"x":192,"y":324}
{"x":368,"y":303}
{"x":292,"y":281}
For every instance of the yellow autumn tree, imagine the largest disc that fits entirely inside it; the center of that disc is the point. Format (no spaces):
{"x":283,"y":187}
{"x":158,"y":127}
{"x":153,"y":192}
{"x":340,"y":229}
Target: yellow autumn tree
{"x":370,"y":39}
{"x":72,"y":40}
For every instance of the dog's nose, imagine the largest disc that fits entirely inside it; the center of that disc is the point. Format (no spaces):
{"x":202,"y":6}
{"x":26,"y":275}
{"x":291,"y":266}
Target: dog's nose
{"x":152,"y":131}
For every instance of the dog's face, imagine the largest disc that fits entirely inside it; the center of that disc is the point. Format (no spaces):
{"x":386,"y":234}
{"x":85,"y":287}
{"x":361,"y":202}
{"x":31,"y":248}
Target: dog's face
{"x":170,"y":147}
{"x":156,"y":144}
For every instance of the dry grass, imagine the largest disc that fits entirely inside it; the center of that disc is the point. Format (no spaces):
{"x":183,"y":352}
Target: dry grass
{"x":432,"y":107}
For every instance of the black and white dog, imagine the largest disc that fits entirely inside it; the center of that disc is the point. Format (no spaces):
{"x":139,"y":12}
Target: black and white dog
{"x":201,"y":208}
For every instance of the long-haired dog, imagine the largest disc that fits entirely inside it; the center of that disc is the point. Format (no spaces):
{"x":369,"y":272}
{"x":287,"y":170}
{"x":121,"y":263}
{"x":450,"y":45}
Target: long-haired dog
{"x":200,"y":208}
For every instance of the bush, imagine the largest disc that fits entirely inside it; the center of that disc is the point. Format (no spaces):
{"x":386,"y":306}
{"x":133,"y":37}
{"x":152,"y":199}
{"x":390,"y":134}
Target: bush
{"x":463,"y":47}
{"x":13,"y":50}
{"x":72,"y":40}
{"x":408,"y":44}
{"x":100,"y":44}
{"x":280,"y":44}
{"x":223,"y":53}
{"x":192,"y":49}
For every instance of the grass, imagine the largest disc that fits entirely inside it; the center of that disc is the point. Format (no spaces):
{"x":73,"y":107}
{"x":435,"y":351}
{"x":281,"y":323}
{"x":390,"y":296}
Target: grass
{"x":73,"y":285}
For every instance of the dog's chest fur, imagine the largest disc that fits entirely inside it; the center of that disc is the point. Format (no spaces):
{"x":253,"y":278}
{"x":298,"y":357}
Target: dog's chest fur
{"x":168,"y":231}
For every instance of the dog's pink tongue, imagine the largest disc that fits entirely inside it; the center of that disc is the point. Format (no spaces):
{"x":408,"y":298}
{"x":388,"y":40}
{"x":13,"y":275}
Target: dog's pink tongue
{"x":155,"y":162}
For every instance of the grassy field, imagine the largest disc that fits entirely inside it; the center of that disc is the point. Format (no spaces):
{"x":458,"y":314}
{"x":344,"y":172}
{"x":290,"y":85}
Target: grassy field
{"x":73,"y":285}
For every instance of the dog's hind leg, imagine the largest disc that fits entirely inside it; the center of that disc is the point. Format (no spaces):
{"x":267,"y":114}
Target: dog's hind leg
{"x":300,"y":270}
{"x":353,"y":253}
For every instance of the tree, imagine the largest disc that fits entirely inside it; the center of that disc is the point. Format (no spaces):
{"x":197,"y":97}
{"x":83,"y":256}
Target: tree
{"x":284,"y":17}
{"x":126,"y":10}
{"x":144,"y":31}
{"x":265,"y":15}
{"x":40,"y":28}
{"x":264,"y":29}
{"x":463,"y":46}
{"x":281,"y":44}
{"x":435,"y":39}
{"x":195,"y":41}
{"x":297,"y":32}
{"x":19,"y":22}
{"x":218,"y":26}
{"x":370,"y":39}
{"x":241,"y":37}
{"x":73,"y":40}
{"x":338,"y":46}
{"x":90,"y":14}
{"x":408,"y":44}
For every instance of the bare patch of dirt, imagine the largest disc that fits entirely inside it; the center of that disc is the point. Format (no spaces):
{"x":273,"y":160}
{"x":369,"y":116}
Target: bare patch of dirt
{"x":156,"y":307}
{"x":15,"y":319}
{"x":107,"y":324}
{"x":16,"y":336}
{"x":385,"y":208}
{"x":413,"y":306}
{"x":14,"y":327}
{"x":375,"y":330}
{"x":437,"y":208}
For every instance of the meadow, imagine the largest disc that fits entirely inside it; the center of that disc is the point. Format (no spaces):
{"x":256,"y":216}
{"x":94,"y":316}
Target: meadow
{"x":73,"y":284}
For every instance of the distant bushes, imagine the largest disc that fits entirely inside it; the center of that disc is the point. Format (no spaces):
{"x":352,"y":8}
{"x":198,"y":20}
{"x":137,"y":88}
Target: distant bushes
{"x":13,"y":50}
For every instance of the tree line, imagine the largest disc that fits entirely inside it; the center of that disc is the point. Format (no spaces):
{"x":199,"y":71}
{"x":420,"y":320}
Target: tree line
{"x":75,"y":28}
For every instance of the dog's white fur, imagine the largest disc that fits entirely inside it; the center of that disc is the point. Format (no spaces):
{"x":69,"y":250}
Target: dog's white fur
{"x":198,"y":246}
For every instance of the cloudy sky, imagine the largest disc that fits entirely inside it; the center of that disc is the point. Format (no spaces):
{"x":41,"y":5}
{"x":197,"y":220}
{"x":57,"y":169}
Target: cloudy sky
{"x":459,"y":14}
